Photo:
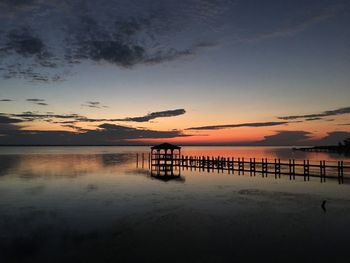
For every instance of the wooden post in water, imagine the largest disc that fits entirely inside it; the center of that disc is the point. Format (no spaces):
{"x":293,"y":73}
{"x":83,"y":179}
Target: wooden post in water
{"x":242,"y":163}
{"x":208,"y":164}
{"x":218,"y":164}
{"x":275,"y":168}
{"x":290,"y":169}
{"x":228,"y":165}
{"x":250,"y":166}
{"x":223,"y":162}
{"x":262,"y":167}
{"x":324,"y":171}
{"x":306,"y":170}
{"x":323,"y":167}
{"x":239,"y":166}
{"x":212,"y":163}
{"x":203,"y":163}
{"x":254,"y":166}
{"x":233,"y":165}
{"x":340,"y":172}
{"x":143,"y":159}
{"x":137,"y":160}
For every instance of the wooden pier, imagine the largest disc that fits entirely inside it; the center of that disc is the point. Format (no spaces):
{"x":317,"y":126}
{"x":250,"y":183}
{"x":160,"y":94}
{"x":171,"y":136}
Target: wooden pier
{"x":252,"y":166}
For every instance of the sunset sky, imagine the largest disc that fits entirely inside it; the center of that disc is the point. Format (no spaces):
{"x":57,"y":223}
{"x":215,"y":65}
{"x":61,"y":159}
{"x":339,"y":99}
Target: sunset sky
{"x":227,"y":72}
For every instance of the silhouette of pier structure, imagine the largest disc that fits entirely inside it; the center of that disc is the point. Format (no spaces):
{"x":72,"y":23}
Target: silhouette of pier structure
{"x":166,"y":160}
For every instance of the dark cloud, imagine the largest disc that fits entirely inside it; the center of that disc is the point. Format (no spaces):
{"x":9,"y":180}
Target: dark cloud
{"x":39,"y":102}
{"x":24,"y":54}
{"x":17,"y":3}
{"x":74,"y":118}
{"x":332,"y":138}
{"x":29,"y":116}
{"x":121,"y":44}
{"x":301,"y":138}
{"x":173,"y":54}
{"x":63,"y":123}
{"x":94,"y":104}
{"x":107,"y":134}
{"x":8,"y":124}
{"x":339,"y":111}
{"x":286,"y":138}
{"x":6,"y":100}
{"x":60,"y":34}
{"x":6,"y":120}
{"x":116,"y":44}
{"x":35,"y":100}
{"x":123,"y":132}
{"x":23,"y":42}
{"x":71,"y":126}
{"x":314,"y":119}
{"x":154,"y":115}
{"x":229,"y":126}
{"x":115,"y":50}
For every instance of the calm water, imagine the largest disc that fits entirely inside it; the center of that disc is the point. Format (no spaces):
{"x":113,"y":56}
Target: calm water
{"x":92,"y":204}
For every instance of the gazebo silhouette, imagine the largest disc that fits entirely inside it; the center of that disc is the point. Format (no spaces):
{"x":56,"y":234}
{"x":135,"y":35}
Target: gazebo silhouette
{"x":165,"y":159}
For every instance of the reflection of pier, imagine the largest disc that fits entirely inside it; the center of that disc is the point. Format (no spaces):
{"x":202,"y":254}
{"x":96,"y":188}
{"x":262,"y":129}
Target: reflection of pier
{"x":166,"y":160}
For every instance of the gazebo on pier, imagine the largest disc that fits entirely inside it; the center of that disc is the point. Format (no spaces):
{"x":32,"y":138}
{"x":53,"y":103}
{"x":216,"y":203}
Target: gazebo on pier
{"x":164,"y":158}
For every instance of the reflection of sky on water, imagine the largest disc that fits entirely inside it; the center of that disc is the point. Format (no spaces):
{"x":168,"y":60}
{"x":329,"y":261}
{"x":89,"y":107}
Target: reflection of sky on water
{"x":71,"y":197}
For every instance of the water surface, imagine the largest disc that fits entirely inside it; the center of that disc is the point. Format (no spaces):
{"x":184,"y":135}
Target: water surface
{"x":92,"y":204}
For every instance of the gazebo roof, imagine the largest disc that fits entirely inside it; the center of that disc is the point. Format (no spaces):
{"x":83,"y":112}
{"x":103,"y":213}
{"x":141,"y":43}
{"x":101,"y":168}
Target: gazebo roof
{"x":165,"y":146}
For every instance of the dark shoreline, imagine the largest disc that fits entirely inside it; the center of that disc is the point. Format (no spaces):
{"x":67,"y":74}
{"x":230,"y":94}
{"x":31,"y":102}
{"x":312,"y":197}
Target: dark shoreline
{"x":329,"y":149}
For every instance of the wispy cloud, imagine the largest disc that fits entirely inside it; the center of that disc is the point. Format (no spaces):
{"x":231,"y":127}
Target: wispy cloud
{"x":35,"y":100}
{"x":295,"y":27}
{"x":340,"y":111}
{"x":49,"y":117}
{"x":94,"y":104}
{"x":40,"y":102}
{"x":314,"y":119}
{"x":230,"y":126}
{"x":74,"y":118}
{"x":154,"y":115}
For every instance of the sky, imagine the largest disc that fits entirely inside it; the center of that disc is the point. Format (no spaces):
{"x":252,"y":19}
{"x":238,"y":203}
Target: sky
{"x":191,"y":72}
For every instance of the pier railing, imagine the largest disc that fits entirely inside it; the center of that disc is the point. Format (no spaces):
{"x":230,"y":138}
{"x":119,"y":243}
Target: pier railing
{"x":252,"y":166}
